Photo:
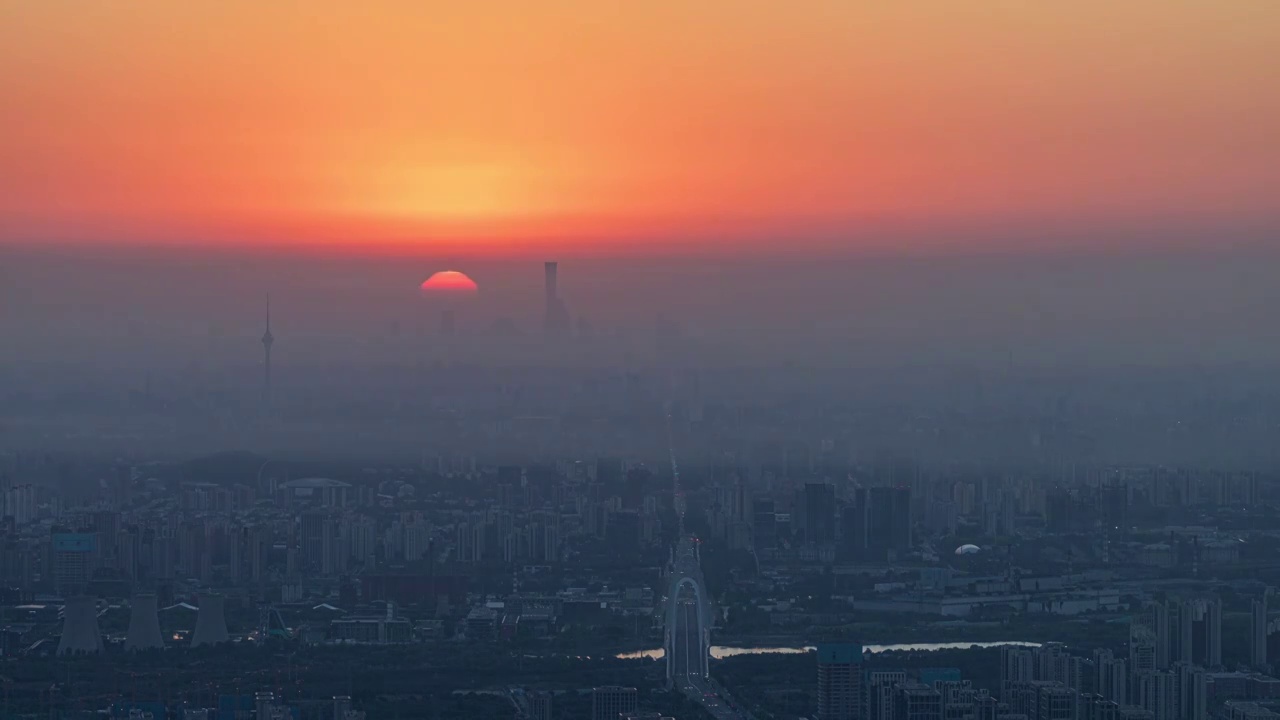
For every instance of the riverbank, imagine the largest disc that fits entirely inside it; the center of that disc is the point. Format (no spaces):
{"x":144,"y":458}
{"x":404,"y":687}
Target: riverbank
{"x":1091,"y":632}
{"x":721,"y":652}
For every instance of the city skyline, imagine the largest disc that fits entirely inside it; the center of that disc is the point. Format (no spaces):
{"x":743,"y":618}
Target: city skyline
{"x":566,"y":360}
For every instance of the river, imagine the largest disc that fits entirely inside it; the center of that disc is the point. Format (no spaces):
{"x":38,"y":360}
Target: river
{"x":724,"y":651}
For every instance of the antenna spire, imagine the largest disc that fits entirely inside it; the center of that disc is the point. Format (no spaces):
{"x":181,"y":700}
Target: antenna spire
{"x":267,"y":341}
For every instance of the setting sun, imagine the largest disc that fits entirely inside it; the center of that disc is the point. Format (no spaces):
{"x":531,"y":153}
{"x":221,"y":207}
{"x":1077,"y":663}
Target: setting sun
{"x":450,"y":282}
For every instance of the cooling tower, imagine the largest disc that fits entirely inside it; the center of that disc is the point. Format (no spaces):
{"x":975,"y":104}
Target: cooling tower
{"x":211,"y":622}
{"x":144,"y":624}
{"x":80,"y":627}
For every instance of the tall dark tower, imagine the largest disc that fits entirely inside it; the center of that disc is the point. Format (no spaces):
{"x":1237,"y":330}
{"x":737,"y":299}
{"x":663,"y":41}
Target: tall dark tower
{"x":267,"y":341}
{"x":556,"y":321}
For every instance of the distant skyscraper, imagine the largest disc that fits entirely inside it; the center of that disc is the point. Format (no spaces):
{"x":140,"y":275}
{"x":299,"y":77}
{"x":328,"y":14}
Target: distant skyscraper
{"x":840,"y":682}
{"x":1112,"y":683}
{"x":1166,"y":637}
{"x":556,"y":317}
{"x":1142,"y":650}
{"x":1193,"y":693}
{"x":1258,"y":630}
{"x":886,"y":517}
{"x":1157,"y":693}
{"x":1200,"y":631}
{"x":764,"y":531}
{"x":267,"y":341}
{"x":819,"y":513}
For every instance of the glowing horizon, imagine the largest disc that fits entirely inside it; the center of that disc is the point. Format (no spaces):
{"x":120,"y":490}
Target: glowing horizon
{"x":504,"y":124}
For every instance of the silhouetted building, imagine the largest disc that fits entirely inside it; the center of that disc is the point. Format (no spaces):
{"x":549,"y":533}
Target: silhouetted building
{"x":819,"y":513}
{"x":877,"y":523}
{"x":891,"y":518}
{"x":840,"y":682}
{"x":917,"y":701}
{"x":268,"y":340}
{"x":607,"y":703}
{"x":1097,"y":707}
{"x":556,"y":316}
{"x":1157,"y":692}
{"x":764,"y":528}
{"x":1195,"y":627}
{"x":1258,"y":630}
{"x":881,"y":689}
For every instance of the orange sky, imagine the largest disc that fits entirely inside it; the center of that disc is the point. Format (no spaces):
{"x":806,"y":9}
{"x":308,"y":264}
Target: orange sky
{"x":501,"y":121}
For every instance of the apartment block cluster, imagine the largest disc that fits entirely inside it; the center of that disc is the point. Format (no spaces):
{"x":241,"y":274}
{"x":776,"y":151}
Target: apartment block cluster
{"x":1173,"y":671}
{"x":608,"y":702}
{"x":821,"y":509}
{"x":279,"y":533}
{"x":847,"y":690}
{"x":812,"y":521}
{"x":259,"y":706}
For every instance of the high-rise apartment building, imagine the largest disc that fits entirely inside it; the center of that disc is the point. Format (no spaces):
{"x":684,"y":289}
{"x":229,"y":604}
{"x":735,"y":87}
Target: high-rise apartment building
{"x":1258,"y":630}
{"x":819,"y":513}
{"x":1096,"y":707}
{"x":1200,"y":631}
{"x":607,"y":703}
{"x":840,"y":682}
{"x":1157,"y":693}
{"x":916,"y":701}
{"x":1113,"y":675}
{"x":881,"y":689}
{"x":1017,"y":665}
{"x":1055,"y":701}
{"x":889,"y":518}
{"x":1193,"y":693}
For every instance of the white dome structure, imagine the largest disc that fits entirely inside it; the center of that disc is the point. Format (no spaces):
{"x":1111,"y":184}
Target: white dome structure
{"x":968,"y":550}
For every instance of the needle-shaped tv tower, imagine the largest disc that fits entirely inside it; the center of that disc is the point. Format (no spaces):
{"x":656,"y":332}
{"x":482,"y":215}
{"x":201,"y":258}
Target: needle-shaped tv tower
{"x":267,"y":341}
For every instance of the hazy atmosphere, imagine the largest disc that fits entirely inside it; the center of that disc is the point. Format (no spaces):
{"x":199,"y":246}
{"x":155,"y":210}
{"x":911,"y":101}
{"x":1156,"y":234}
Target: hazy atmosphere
{"x":573,"y":360}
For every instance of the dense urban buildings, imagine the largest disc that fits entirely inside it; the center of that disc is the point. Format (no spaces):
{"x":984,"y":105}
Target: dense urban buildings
{"x":565,"y":543}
